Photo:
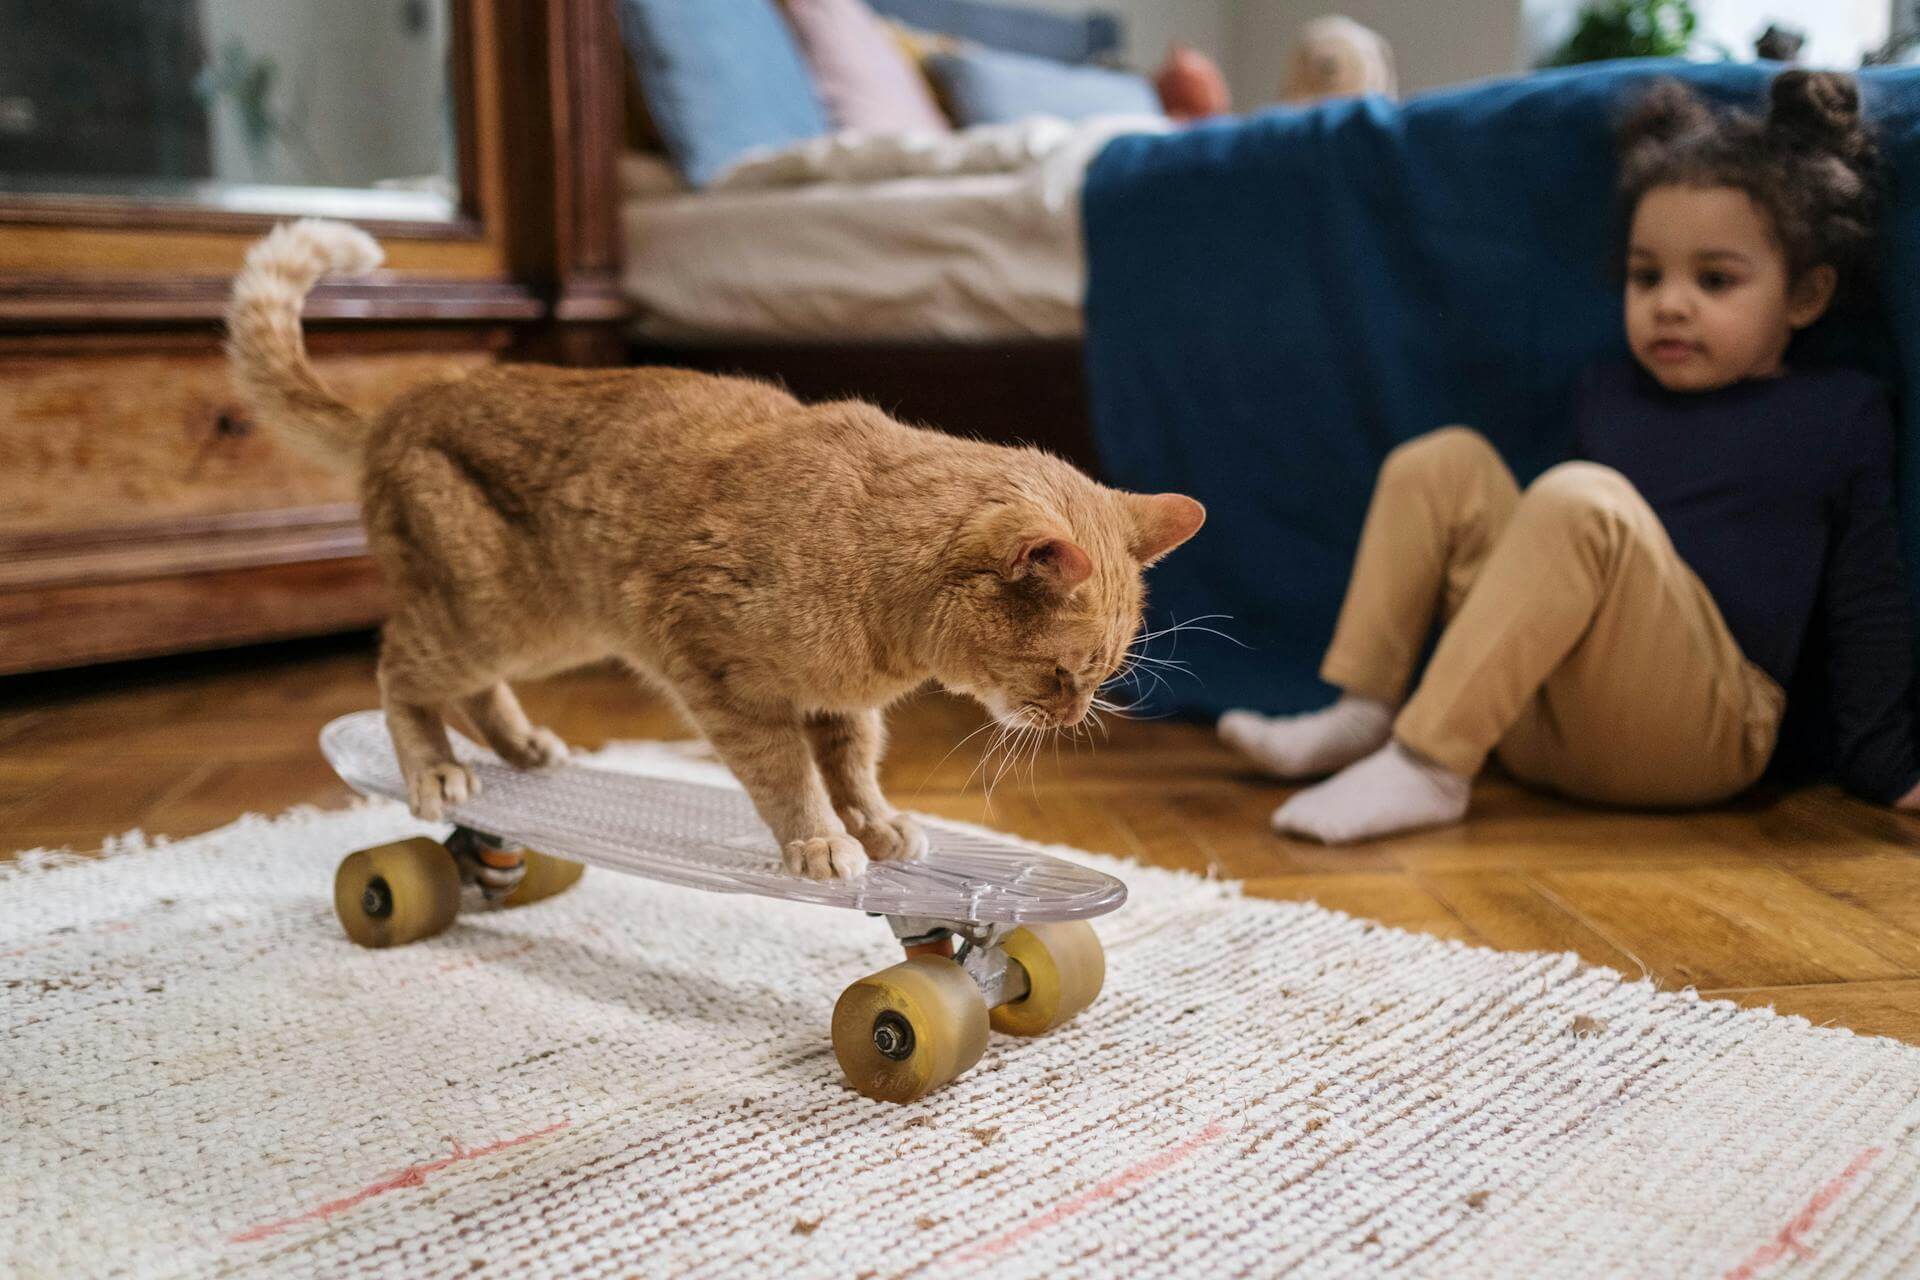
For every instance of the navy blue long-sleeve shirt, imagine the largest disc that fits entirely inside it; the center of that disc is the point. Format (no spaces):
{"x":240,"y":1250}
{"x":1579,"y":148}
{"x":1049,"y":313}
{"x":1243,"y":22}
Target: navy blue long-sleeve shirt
{"x":1778,"y":494}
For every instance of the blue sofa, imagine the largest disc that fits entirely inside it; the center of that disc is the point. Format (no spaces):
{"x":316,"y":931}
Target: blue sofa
{"x":1275,"y":302}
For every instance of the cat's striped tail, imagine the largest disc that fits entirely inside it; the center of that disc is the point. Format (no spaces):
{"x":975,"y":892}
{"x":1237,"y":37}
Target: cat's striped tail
{"x":265,"y":348}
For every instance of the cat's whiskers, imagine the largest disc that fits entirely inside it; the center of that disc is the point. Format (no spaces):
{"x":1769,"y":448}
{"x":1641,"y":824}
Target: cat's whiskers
{"x":1141,"y":667}
{"x":1029,"y":748}
{"x":1191,"y":624}
{"x":1126,"y":710}
{"x":1017,"y":729}
{"x":986,"y":757}
{"x":1138,"y":657}
{"x":950,"y":750}
{"x":1150,"y":662}
{"x":1017,"y":733}
{"x":1133,"y":678}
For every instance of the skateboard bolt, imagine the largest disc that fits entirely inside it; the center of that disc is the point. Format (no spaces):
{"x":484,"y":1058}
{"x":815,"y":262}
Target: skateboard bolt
{"x":893,"y":1036}
{"x":376,"y":901}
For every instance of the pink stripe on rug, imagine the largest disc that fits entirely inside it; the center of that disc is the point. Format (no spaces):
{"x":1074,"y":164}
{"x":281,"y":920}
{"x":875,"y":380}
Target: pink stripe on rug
{"x":1789,"y":1240}
{"x":411,"y":1176}
{"x":1148,"y":1168}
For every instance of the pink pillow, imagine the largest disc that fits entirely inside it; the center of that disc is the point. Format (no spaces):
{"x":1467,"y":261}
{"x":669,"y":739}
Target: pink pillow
{"x":863,"y":77}
{"x":1191,"y":86}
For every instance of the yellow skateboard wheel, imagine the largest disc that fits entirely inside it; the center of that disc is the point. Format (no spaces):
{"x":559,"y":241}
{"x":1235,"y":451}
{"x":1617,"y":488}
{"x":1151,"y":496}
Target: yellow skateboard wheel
{"x":905,"y":1031}
{"x":546,"y":876}
{"x":1065,"y":969}
{"x":393,"y":894}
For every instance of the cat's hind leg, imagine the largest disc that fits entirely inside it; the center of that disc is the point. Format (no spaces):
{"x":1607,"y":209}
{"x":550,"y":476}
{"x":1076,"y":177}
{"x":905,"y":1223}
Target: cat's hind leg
{"x":847,"y":748}
{"x":495,"y":712}
{"x":435,"y":780}
{"x":417,"y":681}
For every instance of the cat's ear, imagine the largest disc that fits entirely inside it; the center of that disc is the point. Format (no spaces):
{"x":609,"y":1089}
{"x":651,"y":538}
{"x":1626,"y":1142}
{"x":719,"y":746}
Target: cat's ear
{"x":1161,"y":522}
{"x":1058,"y":562}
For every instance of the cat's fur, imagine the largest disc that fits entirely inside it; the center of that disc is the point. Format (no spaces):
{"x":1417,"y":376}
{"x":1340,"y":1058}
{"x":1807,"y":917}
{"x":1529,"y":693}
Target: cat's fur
{"x":784,"y":571}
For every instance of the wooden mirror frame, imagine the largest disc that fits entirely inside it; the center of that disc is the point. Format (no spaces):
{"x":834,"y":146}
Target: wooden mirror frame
{"x":110,"y":361}
{"x":535,"y":240}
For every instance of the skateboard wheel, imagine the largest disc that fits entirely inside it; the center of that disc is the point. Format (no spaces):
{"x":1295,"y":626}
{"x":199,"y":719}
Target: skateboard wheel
{"x":1065,"y":968}
{"x":546,"y":875}
{"x":905,"y":1031}
{"x":393,"y":894}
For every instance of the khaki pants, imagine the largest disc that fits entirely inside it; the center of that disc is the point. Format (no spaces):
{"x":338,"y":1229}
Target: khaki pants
{"x":1578,"y":645}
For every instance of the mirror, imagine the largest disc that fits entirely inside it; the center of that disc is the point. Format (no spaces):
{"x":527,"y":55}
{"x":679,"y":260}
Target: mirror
{"x":344,"y":108}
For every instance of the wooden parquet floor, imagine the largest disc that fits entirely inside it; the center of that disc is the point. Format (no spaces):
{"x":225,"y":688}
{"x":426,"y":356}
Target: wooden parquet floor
{"x":1807,"y":901}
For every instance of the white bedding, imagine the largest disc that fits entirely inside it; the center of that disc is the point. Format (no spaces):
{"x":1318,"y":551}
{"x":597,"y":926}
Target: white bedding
{"x":966,"y":237}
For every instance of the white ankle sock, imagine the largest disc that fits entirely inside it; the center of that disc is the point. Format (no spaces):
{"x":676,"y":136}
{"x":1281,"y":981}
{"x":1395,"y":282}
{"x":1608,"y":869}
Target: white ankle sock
{"x":1310,"y":745}
{"x":1391,"y":790}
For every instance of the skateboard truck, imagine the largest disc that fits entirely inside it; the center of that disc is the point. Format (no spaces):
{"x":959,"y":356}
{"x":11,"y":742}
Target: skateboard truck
{"x":497,"y":865}
{"x":999,"y":976}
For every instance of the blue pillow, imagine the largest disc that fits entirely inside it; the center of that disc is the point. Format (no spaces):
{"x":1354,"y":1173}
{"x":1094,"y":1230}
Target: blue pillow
{"x":720,"y":77}
{"x":987,"y":86}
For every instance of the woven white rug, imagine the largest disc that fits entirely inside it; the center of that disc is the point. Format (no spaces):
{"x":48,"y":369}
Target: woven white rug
{"x":201,"y":1076}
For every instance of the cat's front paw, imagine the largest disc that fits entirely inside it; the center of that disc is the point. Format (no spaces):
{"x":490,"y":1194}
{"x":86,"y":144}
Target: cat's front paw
{"x":889,"y":837}
{"x":538,"y":749}
{"x":433,"y":789}
{"x":833,"y":857}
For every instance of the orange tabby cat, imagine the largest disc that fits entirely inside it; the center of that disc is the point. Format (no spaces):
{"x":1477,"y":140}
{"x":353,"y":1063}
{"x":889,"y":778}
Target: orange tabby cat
{"x":783,"y":570}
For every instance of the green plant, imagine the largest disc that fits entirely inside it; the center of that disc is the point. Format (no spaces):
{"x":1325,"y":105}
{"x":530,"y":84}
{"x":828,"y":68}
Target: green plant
{"x":1628,"y":29}
{"x":252,"y":86}
{"x":247,"y":82}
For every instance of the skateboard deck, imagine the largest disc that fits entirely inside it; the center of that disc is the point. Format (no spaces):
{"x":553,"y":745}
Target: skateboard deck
{"x":710,"y":837}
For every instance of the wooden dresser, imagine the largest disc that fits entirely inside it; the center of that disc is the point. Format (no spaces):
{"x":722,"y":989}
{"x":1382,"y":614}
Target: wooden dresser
{"x":140,"y":511}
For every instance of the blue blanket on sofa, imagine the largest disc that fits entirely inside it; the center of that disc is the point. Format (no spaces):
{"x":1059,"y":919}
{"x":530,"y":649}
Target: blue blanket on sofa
{"x":1274,"y":303}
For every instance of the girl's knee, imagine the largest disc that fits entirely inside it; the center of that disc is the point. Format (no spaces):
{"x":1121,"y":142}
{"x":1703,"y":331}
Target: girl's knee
{"x":1581,"y":491}
{"x":1449,"y":449}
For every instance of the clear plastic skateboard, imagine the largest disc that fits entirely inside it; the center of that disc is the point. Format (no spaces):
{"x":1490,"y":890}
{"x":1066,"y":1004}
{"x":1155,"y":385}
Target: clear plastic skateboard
{"x":995,"y":934}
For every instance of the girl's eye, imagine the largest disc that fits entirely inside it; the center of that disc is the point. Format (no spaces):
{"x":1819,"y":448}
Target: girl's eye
{"x":1715,"y":281}
{"x":1644,"y":278}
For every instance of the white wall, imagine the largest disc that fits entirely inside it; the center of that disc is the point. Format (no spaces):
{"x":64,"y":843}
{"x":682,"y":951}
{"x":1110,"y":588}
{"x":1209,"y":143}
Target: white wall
{"x":1151,"y":25}
{"x":1837,"y":31}
{"x":1435,"y":42}
{"x":1441,"y":42}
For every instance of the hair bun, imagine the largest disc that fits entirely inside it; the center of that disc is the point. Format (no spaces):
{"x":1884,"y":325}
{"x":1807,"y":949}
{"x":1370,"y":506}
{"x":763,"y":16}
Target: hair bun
{"x":1819,"y":111}
{"x":1667,"y":111}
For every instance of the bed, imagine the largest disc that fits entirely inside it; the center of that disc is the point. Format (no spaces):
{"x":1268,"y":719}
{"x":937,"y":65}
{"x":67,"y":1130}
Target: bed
{"x":971,"y":238}
{"x":940,"y":276}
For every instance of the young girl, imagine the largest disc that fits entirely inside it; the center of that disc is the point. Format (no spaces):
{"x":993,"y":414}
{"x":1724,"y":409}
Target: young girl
{"x":1621,"y":632}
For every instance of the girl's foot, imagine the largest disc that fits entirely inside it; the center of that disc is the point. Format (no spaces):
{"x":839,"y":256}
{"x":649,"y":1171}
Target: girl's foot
{"x":1390,"y":791}
{"x":1312,"y":745}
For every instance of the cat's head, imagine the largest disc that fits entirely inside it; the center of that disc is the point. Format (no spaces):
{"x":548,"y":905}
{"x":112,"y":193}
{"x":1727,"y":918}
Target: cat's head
{"x":1043,"y":597}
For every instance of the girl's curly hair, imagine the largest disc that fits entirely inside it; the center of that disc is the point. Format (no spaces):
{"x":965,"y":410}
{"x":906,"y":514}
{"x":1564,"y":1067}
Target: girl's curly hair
{"x":1811,"y":165}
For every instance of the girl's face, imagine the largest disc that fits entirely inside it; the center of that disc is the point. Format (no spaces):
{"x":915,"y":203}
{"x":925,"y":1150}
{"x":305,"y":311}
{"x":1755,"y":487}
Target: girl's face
{"x":1708,"y":299}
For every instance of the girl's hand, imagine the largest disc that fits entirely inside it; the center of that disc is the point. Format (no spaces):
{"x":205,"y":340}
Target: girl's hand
{"x":1910,"y":801}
